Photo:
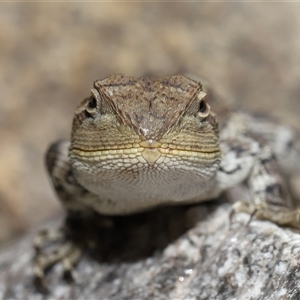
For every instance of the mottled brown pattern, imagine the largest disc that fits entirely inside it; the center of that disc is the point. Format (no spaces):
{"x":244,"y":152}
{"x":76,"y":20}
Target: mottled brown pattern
{"x":150,"y":105}
{"x":142,"y":143}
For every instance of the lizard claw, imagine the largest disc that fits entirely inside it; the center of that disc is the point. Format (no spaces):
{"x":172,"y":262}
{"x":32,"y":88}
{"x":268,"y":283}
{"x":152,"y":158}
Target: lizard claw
{"x":67,"y":252}
{"x":276,"y":214}
{"x":242,"y":206}
{"x":40,"y":285}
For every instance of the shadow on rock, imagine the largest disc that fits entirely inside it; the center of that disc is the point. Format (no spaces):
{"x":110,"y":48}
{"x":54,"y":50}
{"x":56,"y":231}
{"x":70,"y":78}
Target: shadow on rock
{"x":134,"y":237}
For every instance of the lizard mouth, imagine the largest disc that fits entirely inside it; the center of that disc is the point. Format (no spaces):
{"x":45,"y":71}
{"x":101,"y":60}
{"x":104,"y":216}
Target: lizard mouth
{"x":148,"y":151}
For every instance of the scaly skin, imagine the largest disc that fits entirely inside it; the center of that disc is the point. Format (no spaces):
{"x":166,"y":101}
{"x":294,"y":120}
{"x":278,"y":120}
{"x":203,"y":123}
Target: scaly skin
{"x":138,"y":143}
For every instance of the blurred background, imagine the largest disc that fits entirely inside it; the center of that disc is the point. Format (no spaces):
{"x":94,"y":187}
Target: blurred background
{"x":50,"y":54}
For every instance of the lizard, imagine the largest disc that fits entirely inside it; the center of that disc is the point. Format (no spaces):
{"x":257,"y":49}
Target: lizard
{"x":140,"y":143}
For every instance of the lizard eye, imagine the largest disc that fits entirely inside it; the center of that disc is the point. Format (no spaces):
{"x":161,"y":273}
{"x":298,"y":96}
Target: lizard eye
{"x":204,"y":109}
{"x":92,"y":105}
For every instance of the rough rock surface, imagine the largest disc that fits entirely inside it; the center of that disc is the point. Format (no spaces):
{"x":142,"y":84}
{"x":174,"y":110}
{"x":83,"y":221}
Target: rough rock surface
{"x":50,"y":54}
{"x":195,"y":254}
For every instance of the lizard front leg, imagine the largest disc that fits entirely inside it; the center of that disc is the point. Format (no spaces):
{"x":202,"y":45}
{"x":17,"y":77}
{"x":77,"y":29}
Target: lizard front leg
{"x":270,"y":199}
{"x":71,"y":194}
{"x":283,"y":139}
{"x":246,"y":159}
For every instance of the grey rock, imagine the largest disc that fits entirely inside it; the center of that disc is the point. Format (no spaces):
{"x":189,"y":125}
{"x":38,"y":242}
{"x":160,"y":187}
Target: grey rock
{"x":172,"y":253}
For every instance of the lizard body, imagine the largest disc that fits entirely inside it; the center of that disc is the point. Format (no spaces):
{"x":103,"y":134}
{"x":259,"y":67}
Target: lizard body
{"x":138,"y":143}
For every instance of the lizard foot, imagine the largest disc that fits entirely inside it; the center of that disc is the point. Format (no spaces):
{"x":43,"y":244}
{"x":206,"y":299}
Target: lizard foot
{"x":275,"y":214}
{"x":65,"y":252}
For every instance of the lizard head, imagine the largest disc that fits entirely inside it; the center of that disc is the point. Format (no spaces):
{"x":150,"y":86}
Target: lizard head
{"x":151,"y":116}
{"x":137,"y":123}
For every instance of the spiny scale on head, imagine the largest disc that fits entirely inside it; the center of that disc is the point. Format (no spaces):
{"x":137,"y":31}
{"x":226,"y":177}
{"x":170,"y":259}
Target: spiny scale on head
{"x":145,"y":103}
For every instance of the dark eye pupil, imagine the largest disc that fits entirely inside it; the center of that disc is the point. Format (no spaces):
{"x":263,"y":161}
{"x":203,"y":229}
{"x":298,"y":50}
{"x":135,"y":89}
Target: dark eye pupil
{"x":202,"y":106}
{"x":92,"y":102}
